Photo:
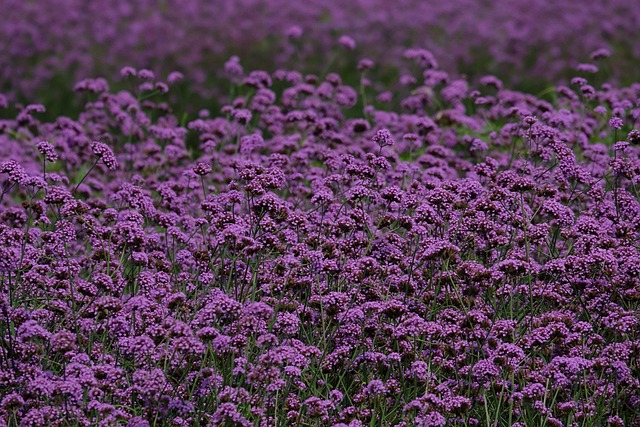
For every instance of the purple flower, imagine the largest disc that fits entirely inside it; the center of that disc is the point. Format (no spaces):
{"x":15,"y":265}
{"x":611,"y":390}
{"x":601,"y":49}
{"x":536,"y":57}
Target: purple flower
{"x":250,"y":143}
{"x":294,"y":32}
{"x":242,"y":116}
{"x":138,"y":422}
{"x":600,"y":110}
{"x":174,"y":77}
{"x":578,"y":81}
{"x":431,"y":419}
{"x":233,"y":67}
{"x":485,"y":369}
{"x":128,"y":72}
{"x":423,"y":57}
{"x":383,"y":138}
{"x":226,"y":414}
{"x":491,"y":81}
{"x":258,"y":79}
{"x":92,"y":85}
{"x":634,"y":137}
{"x":587,"y":68}
{"x":620,"y":145}
{"x":105,"y":153}
{"x":365,"y":64}
{"x":600,"y":53}
{"x":615,"y":421}
{"x":15,"y":171}
{"x":347,"y":42}
{"x":63,"y":341}
{"x":616,"y":123}
{"x":47,"y":150}
{"x":145,"y":74}
{"x":31,"y":330}
{"x":12,"y":402}
{"x":202,"y":169}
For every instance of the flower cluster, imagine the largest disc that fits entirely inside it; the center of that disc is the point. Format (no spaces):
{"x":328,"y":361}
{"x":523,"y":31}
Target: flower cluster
{"x":424,"y":251}
{"x":60,"y":39}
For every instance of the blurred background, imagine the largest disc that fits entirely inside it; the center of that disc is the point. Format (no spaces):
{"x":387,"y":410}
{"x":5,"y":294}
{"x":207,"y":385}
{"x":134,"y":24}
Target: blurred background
{"x":48,"y":45}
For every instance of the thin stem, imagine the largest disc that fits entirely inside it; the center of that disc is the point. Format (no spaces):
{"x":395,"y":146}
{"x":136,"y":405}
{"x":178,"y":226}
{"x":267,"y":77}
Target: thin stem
{"x":84,"y":177}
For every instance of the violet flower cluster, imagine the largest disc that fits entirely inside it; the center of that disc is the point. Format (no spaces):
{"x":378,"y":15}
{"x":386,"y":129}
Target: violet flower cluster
{"x":419,"y":252}
{"x":51,"y":40}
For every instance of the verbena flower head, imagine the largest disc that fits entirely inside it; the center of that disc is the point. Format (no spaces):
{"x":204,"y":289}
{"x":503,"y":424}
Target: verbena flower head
{"x":104,"y":152}
{"x":383,"y":138}
{"x":202,"y":169}
{"x":47,"y":150}
{"x":347,"y":42}
{"x":616,"y":123}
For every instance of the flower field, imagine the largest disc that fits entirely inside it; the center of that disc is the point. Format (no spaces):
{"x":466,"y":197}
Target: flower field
{"x":269,"y":213}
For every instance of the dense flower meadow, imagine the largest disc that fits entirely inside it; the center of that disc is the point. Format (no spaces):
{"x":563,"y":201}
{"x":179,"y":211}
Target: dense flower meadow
{"x":414,"y":250}
{"x":50,"y":41}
